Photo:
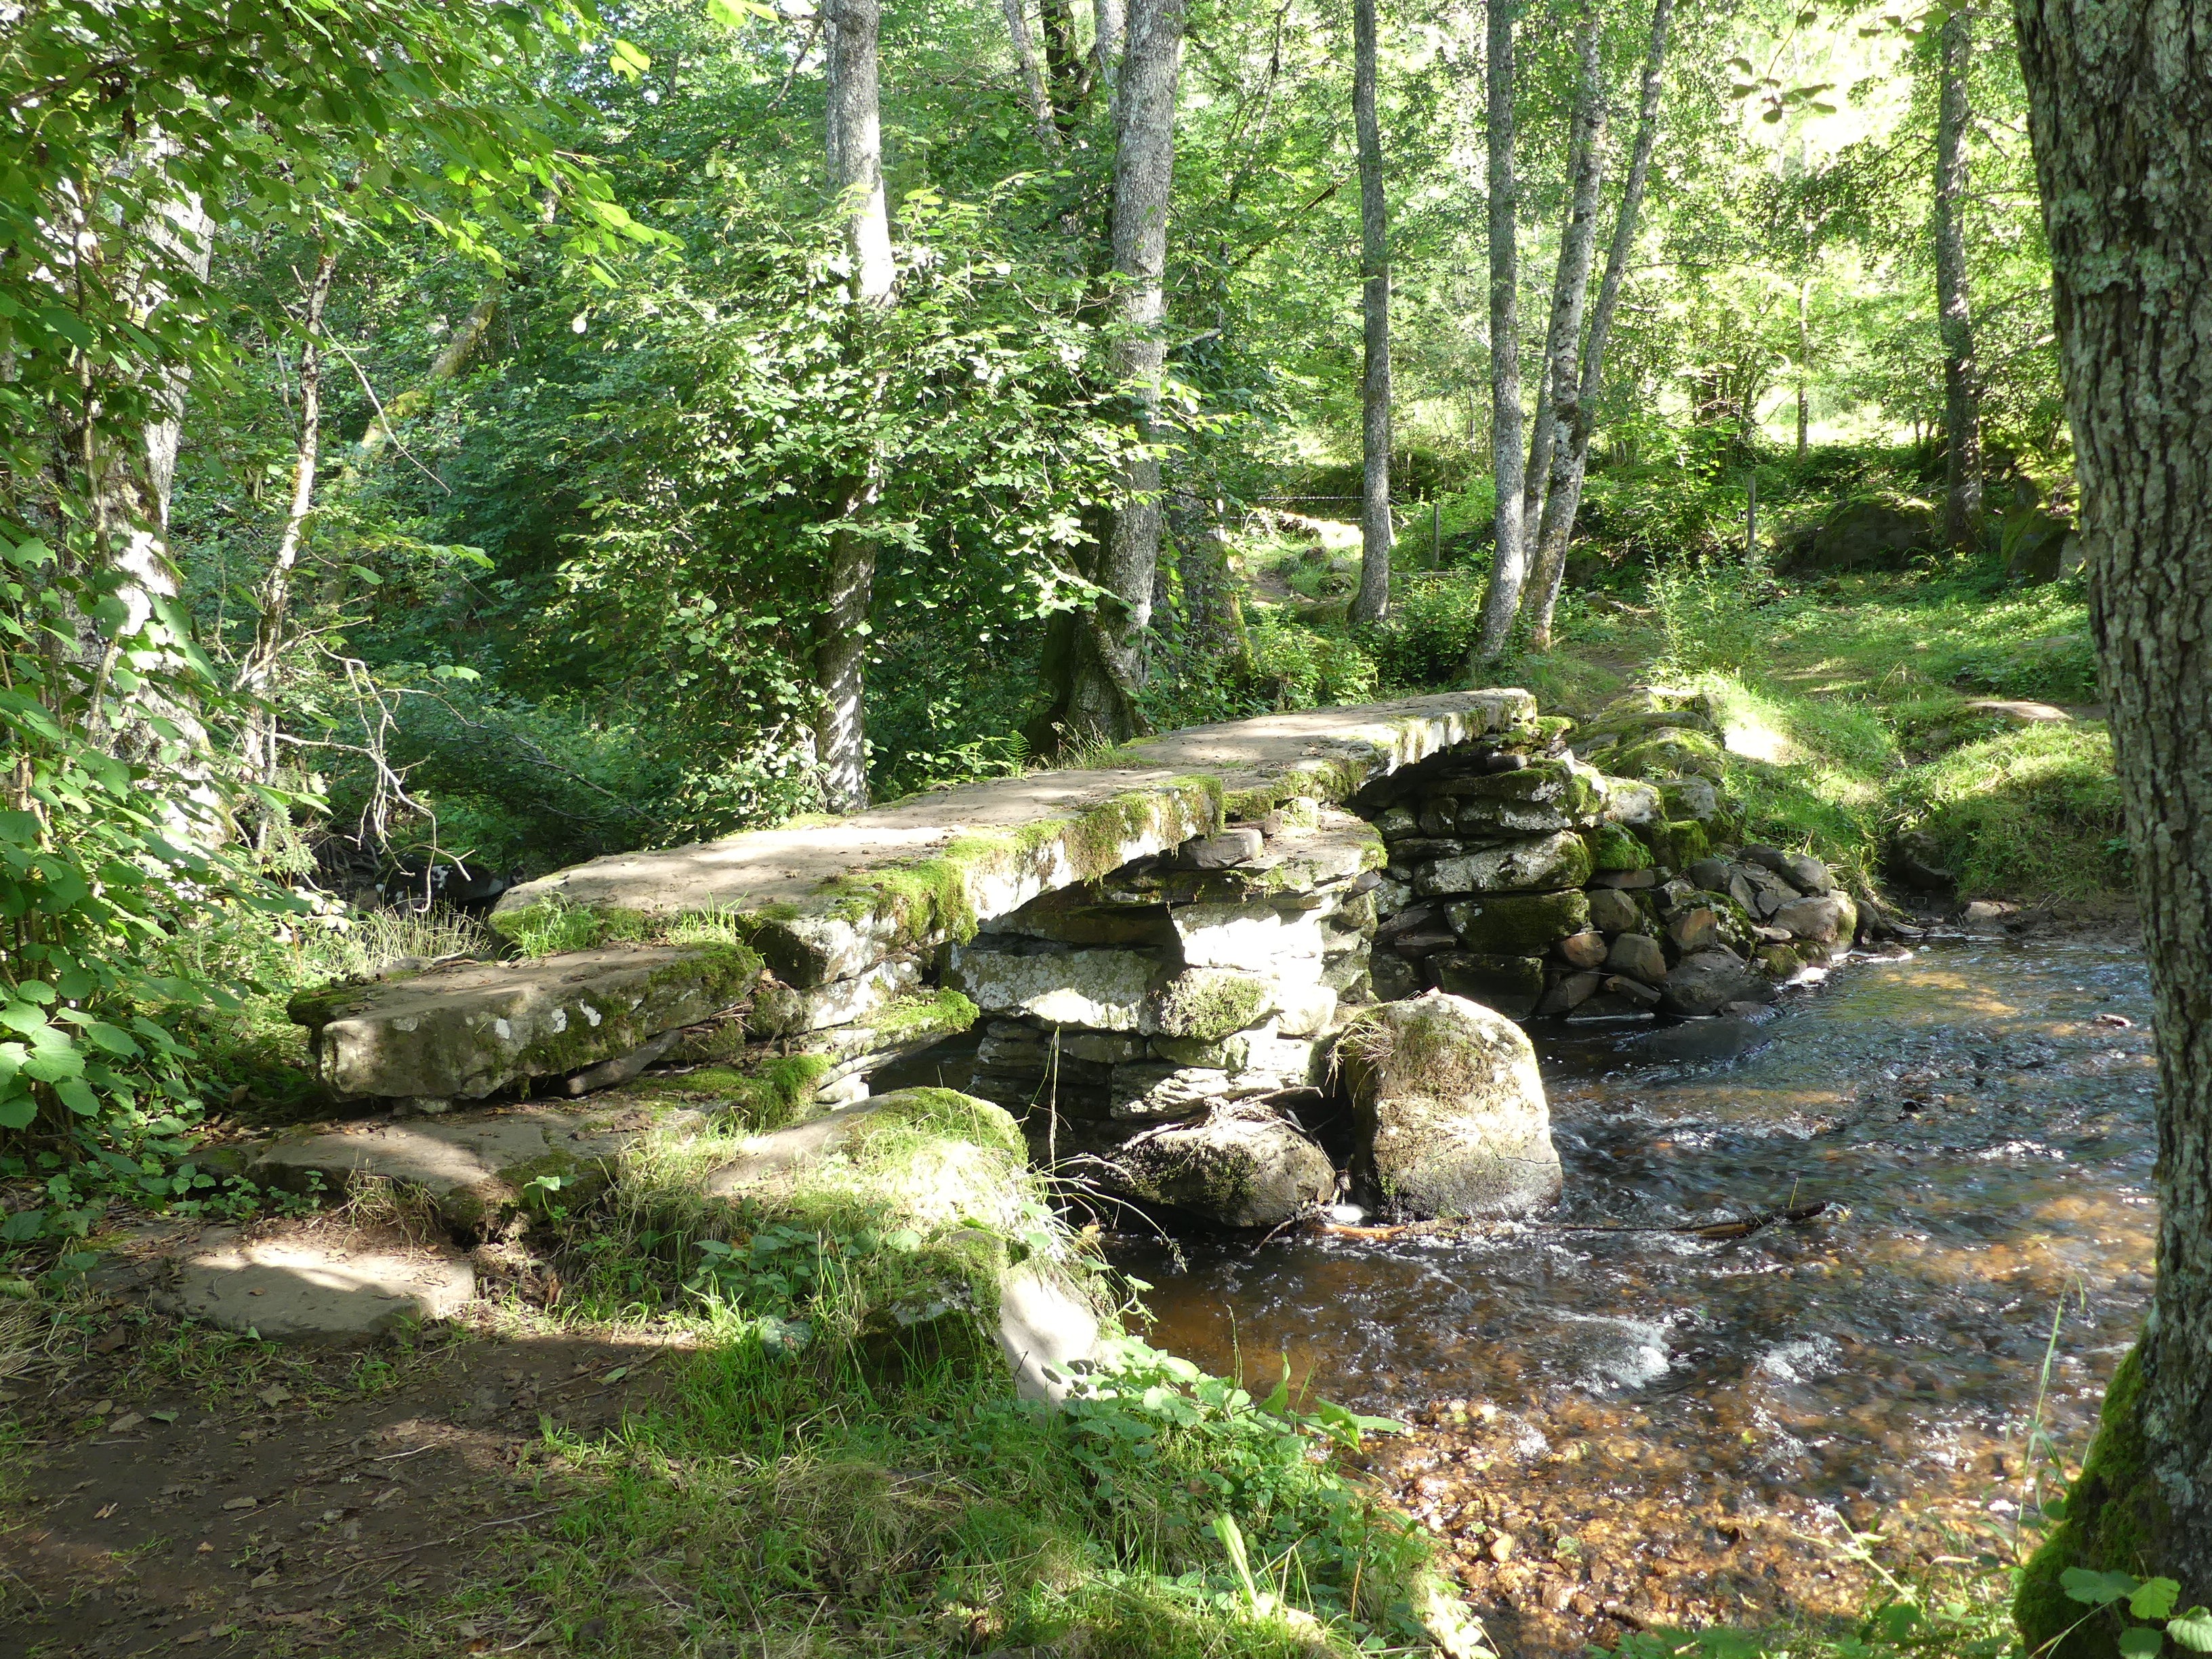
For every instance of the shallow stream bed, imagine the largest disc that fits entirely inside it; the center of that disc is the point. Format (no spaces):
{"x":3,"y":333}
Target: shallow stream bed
{"x":1613,"y":1429}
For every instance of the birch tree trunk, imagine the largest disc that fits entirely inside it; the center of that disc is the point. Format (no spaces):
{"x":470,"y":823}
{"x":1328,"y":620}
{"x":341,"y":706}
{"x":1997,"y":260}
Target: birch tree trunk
{"x":1962,"y":401}
{"x":273,"y":628}
{"x":2120,"y":114}
{"x":855,"y":143}
{"x":1571,"y":454}
{"x":1108,"y":658}
{"x":128,"y":476}
{"x":1510,"y":566}
{"x":1571,"y":286}
{"x":1374,"y":596}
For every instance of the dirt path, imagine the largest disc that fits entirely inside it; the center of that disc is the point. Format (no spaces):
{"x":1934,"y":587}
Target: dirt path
{"x":179,"y":1491}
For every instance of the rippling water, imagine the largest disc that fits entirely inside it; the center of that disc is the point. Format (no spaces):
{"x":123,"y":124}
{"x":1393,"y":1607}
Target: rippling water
{"x":1665,"y":1429}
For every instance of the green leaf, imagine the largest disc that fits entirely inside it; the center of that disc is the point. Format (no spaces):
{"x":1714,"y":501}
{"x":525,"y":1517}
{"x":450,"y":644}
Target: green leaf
{"x":2098,"y":1589}
{"x":628,"y":61}
{"x":2192,"y":1630}
{"x":2154,"y":1599}
{"x":74,"y":1093}
{"x":22,"y":827}
{"x":2140,"y":1642}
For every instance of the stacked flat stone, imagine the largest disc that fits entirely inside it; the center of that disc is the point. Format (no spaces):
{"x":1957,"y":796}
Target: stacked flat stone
{"x":1525,"y":878}
{"x":1182,"y":1000}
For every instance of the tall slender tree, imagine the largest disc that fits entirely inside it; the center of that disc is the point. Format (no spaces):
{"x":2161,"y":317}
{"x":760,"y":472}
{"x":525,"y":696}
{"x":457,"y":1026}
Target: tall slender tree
{"x":1571,"y":454}
{"x":1374,"y":536}
{"x":1962,"y":397}
{"x":1508,"y":566}
{"x":1107,"y":664}
{"x":1571,"y":286}
{"x":2120,"y":116}
{"x":855,"y":143}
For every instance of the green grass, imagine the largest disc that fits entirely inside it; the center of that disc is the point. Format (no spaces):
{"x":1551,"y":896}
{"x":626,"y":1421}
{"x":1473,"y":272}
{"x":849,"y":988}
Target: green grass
{"x":845,"y":1468}
{"x":835,"y":1507}
{"x":1847,"y":701}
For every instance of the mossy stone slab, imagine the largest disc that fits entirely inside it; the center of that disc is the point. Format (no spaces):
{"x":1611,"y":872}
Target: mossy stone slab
{"x":459,"y":1033}
{"x":829,"y":899}
{"x":472,"y":1166}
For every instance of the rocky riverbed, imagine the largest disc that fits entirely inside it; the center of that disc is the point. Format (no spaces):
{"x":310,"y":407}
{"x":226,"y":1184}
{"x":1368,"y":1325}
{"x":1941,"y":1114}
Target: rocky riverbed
{"x":1618,"y":1429}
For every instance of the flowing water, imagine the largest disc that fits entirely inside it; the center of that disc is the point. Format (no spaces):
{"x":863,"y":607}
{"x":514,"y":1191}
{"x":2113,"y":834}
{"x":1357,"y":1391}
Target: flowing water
{"x":1622,"y":1428}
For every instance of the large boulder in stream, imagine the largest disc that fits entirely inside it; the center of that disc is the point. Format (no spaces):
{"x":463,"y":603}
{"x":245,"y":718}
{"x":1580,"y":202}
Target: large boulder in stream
{"x":1241,"y":1165}
{"x":1449,"y":1114}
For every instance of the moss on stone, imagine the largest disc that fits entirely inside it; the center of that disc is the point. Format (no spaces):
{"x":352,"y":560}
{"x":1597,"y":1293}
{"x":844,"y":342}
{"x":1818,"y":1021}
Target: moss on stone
{"x":1206,"y":1005}
{"x":1677,"y":845}
{"x":910,"y":1019}
{"x":2117,"y":1520}
{"x":1611,"y":846}
{"x":1519,"y":924}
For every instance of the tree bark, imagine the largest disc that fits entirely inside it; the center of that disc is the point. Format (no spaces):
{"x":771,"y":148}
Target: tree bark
{"x":1962,"y":400}
{"x":128,"y":478}
{"x":1571,"y":286}
{"x":1509,"y":567}
{"x":1571,"y":457}
{"x":1110,"y":20}
{"x":1374,"y":536}
{"x":1033,"y":86}
{"x":1108,"y":657}
{"x":2120,"y":115}
{"x":854,"y":144}
{"x":273,"y":628}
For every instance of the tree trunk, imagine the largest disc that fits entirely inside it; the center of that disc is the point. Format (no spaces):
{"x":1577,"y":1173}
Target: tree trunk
{"x":273,"y":628}
{"x":2120,"y":114}
{"x":1962,"y":397}
{"x":1063,"y":58}
{"x":1033,"y":86}
{"x":1108,"y":658}
{"x":855,"y":142}
{"x":1571,"y":457}
{"x":1374,"y":596}
{"x":1508,"y":566}
{"x":1570,"y":287}
{"x":1111,"y":22}
{"x":1804,"y":353}
{"x":128,"y":475}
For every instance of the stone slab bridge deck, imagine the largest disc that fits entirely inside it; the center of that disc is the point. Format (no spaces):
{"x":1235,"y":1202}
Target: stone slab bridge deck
{"x":834,"y":914}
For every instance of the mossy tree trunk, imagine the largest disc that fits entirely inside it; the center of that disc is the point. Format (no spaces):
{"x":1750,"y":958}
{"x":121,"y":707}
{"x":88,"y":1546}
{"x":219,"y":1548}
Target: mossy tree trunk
{"x":2120,"y":113}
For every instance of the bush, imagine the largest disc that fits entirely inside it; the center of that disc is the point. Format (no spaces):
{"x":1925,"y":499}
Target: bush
{"x":1294,"y":666}
{"x":1424,"y":640}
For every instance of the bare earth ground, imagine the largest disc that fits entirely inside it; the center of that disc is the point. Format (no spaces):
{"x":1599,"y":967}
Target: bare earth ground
{"x":177,"y":1491}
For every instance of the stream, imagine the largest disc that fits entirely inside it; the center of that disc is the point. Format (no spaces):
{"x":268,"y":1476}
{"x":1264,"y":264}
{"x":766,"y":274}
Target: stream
{"x":1616,"y":1430}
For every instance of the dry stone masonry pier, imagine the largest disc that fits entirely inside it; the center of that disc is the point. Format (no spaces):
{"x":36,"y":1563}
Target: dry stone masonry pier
{"x":1236,"y":972}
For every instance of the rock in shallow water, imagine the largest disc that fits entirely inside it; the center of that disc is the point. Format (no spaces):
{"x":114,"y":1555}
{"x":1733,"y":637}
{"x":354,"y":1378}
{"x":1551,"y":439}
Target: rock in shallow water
{"x":1239,"y":1167}
{"x":1450,"y":1118}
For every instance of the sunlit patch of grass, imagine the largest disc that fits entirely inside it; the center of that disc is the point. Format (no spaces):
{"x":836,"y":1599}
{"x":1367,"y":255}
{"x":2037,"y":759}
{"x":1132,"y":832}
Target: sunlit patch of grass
{"x":2031,"y":812}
